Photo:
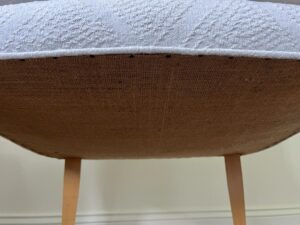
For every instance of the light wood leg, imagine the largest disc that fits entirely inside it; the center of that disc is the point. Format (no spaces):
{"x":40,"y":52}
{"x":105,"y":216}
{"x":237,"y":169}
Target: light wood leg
{"x":71,"y":190}
{"x":236,"y":189}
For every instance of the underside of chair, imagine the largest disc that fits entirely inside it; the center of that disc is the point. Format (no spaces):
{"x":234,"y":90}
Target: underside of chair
{"x":148,"y":106}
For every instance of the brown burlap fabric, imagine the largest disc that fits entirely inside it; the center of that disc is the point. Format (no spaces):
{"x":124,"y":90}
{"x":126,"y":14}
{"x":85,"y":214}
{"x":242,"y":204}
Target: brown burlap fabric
{"x":148,"y":106}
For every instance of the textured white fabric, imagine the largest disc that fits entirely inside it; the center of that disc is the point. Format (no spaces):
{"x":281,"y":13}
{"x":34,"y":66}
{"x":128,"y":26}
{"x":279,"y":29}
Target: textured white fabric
{"x":76,"y":27}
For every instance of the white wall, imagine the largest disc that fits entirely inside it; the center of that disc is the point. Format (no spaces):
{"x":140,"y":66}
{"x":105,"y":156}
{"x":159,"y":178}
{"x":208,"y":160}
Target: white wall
{"x":32,"y":184}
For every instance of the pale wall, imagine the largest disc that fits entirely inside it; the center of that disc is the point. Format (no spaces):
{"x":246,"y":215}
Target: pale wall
{"x":32,"y":184}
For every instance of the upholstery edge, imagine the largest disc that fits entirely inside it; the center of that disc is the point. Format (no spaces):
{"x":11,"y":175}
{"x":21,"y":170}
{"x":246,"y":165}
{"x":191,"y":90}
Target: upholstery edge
{"x":150,"y":50}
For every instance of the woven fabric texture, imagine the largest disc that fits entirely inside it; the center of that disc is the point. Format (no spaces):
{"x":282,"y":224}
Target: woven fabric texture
{"x":76,"y":27}
{"x":148,"y":106}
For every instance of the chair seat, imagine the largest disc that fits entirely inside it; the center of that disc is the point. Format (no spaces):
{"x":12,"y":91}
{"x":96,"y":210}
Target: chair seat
{"x":76,"y":27}
{"x":149,"y":79}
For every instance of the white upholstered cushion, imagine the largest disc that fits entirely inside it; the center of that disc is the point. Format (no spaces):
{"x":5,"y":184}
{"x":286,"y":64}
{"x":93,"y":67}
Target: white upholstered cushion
{"x":76,"y":27}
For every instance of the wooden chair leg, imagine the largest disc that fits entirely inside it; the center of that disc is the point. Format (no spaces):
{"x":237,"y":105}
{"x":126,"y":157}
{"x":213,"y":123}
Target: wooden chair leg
{"x":71,"y":190}
{"x":236,"y":189}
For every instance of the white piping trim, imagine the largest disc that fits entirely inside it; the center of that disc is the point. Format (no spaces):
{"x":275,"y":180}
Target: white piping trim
{"x":151,"y":50}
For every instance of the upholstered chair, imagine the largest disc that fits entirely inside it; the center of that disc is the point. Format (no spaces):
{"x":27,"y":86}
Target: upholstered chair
{"x":137,"y":79}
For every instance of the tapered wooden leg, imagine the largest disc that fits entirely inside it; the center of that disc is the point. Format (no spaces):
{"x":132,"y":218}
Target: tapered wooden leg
{"x":71,"y":190}
{"x":236,"y":189}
